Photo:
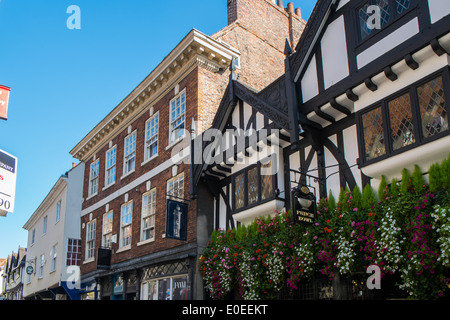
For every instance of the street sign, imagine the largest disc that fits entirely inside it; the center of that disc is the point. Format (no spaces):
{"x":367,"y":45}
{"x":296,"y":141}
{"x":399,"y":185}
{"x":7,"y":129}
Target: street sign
{"x":4,"y":98}
{"x":8,"y":171}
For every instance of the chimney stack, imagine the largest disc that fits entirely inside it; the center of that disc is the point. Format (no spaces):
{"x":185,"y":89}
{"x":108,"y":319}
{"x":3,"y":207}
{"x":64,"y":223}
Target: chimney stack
{"x":290,"y":7}
{"x":280,"y":3}
{"x":298,"y":12}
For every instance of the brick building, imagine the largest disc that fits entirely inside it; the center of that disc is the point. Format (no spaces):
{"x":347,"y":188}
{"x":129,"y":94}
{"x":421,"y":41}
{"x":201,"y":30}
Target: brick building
{"x":132,"y":168}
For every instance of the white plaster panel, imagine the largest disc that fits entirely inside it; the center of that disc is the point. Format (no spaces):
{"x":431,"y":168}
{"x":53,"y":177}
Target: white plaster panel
{"x":388,"y":43}
{"x":438,"y":9}
{"x":351,"y":152}
{"x":309,"y":83}
{"x":334,"y":53}
{"x":332,"y":171}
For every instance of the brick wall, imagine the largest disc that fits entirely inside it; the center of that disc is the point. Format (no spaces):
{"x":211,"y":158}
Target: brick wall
{"x":190,"y":82}
{"x":259,"y":29}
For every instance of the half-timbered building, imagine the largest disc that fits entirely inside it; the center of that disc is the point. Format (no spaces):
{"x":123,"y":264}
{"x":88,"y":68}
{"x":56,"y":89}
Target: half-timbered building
{"x":363,"y":95}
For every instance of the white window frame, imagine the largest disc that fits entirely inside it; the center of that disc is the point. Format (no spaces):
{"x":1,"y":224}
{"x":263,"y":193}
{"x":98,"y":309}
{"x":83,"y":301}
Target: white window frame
{"x":151,"y":139}
{"x":148,"y":212}
{"x":110,"y":167}
{"x":93,"y":177}
{"x":107,"y":230}
{"x":41,"y":266}
{"x":126,"y":221}
{"x":58,"y":211}
{"x":91,"y":227}
{"x":177,"y":120}
{"x":129,"y":156}
{"x":53,"y":257}
{"x":33,"y":236}
{"x":175,"y":190}
{"x":44,"y":225}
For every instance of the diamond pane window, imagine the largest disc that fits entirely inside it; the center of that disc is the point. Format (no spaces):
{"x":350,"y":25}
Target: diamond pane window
{"x":402,"y":5}
{"x":363,"y":16}
{"x":432,"y":107}
{"x":402,"y":128}
{"x":266,"y":180}
{"x":384,"y":11}
{"x":239,"y":187}
{"x":253,"y":185}
{"x":373,"y":134}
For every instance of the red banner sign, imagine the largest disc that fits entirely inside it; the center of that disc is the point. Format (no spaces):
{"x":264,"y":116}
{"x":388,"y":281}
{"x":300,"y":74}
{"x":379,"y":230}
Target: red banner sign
{"x":4,"y":97}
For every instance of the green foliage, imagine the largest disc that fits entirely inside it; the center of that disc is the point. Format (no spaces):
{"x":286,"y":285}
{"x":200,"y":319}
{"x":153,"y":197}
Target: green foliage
{"x":406,"y":233}
{"x":445,"y":174}
{"x":435,"y":177}
{"x":406,"y":181}
{"x":394,"y":188}
{"x":418,"y":182}
{"x":331,"y":203}
{"x":368,"y":197}
{"x":357,"y":197}
{"x":383,"y":189}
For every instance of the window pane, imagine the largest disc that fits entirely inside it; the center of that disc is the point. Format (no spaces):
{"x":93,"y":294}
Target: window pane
{"x":363,"y":17}
{"x":400,"y":115}
{"x":373,"y":134}
{"x":432,"y":107}
{"x":253,"y":185}
{"x":384,"y":11}
{"x":402,"y":5}
{"x":239,"y":191}
{"x":368,"y":21}
{"x":266,"y":181}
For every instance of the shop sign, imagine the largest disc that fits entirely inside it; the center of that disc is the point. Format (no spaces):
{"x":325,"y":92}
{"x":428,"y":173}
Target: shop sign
{"x":303,"y":205}
{"x":176,"y":220}
{"x":8,"y":171}
{"x":4,"y":98}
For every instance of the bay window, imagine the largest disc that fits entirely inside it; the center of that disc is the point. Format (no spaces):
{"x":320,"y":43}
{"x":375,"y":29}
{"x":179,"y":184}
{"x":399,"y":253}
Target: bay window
{"x":407,"y":119}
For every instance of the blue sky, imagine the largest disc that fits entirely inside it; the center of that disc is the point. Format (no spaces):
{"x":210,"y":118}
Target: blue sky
{"x":63,"y":82}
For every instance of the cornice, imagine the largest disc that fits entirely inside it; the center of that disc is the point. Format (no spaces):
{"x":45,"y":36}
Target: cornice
{"x":47,"y":202}
{"x":195,"y":49}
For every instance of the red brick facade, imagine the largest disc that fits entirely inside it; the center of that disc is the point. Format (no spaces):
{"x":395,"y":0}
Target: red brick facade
{"x":190,"y":84}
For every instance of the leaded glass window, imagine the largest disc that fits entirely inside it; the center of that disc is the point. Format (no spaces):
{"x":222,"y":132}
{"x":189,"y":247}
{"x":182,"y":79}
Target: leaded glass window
{"x":432,"y":107}
{"x":239,"y":195}
{"x":253,"y":185}
{"x":402,"y":5}
{"x":373,"y":134}
{"x":266,"y":180}
{"x":412,"y":118}
{"x":400,"y":116}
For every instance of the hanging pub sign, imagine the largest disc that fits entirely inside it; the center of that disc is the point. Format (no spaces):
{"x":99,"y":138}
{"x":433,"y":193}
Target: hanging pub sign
{"x":30,"y":270}
{"x":176,"y":220}
{"x":303,"y":205}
